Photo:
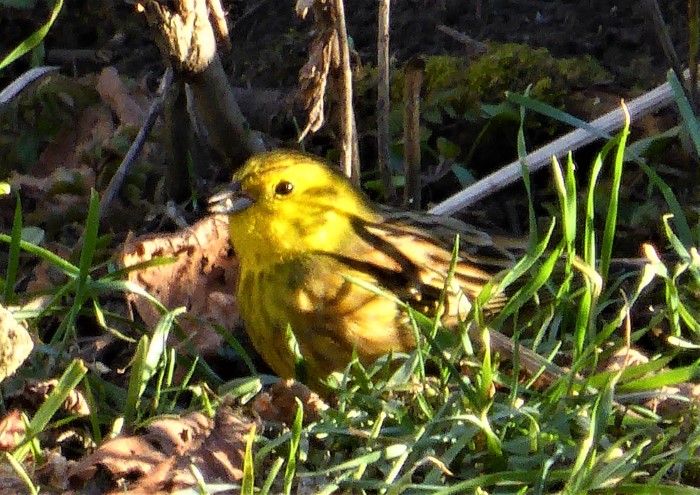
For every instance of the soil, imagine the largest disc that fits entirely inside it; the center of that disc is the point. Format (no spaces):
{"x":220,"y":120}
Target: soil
{"x":270,"y":45}
{"x":270,"y":41}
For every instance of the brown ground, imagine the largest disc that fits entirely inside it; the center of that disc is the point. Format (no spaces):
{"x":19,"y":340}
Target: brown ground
{"x":270,"y":45}
{"x":270,"y":41}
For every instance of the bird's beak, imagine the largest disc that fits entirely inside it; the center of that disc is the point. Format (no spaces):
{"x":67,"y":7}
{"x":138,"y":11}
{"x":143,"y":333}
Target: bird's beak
{"x":230,"y":200}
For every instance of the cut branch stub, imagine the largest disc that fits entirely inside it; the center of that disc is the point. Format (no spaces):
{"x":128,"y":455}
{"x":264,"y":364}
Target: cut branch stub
{"x":183,"y":32}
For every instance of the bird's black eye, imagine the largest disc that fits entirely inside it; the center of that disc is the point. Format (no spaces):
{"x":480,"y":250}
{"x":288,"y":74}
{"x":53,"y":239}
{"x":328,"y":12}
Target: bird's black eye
{"x":284,"y":188}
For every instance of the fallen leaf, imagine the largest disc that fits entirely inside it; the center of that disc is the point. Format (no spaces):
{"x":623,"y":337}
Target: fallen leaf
{"x":203,"y":279}
{"x":115,"y":94}
{"x":12,"y":430}
{"x":160,"y":460}
{"x":15,"y":344}
{"x":278,"y":404}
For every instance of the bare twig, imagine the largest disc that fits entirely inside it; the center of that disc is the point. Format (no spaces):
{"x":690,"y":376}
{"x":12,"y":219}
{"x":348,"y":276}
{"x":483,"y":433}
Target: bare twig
{"x":349,"y":161}
{"x":664,"y":37}
{"x":64,"y":56}
{"x":118,"y":178}
{"x":474,"y":47}
{"x":383,"y":101}
{"x":411,"y":132}
{"x":218,"y":16}
{"x":23,"y":82}
{"x":250,"y":10}
{"x":648,"y":103}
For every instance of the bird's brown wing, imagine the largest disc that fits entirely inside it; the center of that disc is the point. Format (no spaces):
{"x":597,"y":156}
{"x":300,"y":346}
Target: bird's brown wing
{"x":412,"y":264}
{"x":489,"y":251}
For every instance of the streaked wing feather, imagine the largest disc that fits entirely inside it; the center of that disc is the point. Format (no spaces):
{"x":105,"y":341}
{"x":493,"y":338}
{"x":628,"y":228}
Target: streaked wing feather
{"x":412,"y":264}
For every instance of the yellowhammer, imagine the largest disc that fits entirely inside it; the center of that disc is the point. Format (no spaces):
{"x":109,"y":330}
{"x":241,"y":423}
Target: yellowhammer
{"x":307,"y":239}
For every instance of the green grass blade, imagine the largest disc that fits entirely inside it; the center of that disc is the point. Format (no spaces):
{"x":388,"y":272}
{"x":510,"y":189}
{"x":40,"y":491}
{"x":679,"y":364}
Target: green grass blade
{"x":248,"y":480}
{"x":66,"y":384}
{"x":554,"y":113}
{"x":522,"y":153}
{"x":13,"y":255}
{"x":291,"y":469}
{"x":689,"y":118}
{"x":611,"y":216}
{"x":34,"y":39}
{"x":92,"y":225}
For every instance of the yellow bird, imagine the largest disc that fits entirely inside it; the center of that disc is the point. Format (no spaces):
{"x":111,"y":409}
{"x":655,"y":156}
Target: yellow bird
{"x":310,"y":246}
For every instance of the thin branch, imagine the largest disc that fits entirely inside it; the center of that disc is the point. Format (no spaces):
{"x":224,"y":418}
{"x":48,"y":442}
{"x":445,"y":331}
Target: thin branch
{"x":383,"y":101}
{"x":118,"y":178}
{"x":349,"y":161}
{"x":664,"y":38}
{"x":411,"y":132}
{"x":474,"y":47}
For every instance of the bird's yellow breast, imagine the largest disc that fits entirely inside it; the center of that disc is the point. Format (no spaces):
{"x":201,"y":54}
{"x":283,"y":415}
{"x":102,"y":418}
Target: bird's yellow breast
{"x":329,"y":315}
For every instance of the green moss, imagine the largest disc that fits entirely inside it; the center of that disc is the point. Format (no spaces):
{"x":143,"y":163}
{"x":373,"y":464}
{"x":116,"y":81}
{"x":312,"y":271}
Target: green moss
{"x":456,"y":86}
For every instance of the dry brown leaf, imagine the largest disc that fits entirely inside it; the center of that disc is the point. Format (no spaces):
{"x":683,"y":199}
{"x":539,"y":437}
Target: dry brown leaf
{"x":54,"y":471}
{"x":160,"y":460}
{"x":52,"y":206}
{"x":203,"y":279}
{"x":12,"y":430}
{"x":665,"y":400}
{"x":60,"y":177}
{"x":672,"y":401}
{"x":115,"y":94}
{"x":323,"y":54}
{"x":34,"y":393}
{"x":302,"y":7}
{"x":15,"y":344}
{"x":278,"y":404}
{"x":623,"y":357}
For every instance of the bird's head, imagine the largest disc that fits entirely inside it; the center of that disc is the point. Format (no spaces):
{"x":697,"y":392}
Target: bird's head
{"x":282,"y":204}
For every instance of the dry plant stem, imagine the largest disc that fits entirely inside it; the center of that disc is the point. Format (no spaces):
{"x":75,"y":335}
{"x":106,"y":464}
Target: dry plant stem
{"x":664,"y":37}
{"x":118,"y":178}
{"x":23,"y":82}
{"x":411,"y":132}
{"x":216,"y":105}
{"x":178,"y":123}
{"x":648,"y":103}
{"x":219,"y":19}
{"x":383,"y":101}
{"x":474,"y":47}
{"x":349,"y":159}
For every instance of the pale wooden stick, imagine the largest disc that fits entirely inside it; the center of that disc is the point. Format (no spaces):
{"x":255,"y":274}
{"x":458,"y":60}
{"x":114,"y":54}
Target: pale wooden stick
{"x":383,"y":102}
{"x":349,"y":160}
{"x":655,"y":99}
{"x":411,"y":132}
